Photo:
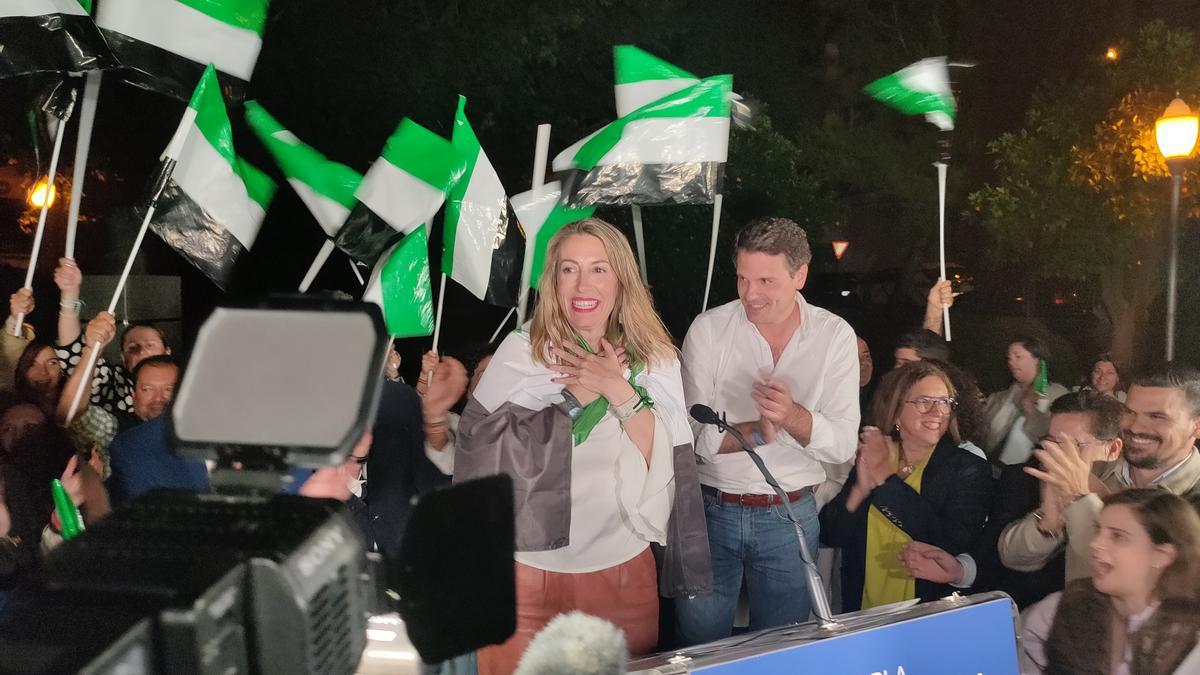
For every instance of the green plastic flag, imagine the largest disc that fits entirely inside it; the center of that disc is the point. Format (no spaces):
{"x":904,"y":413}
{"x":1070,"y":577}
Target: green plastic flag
{"x":68,"y":513}
{"x":920,"y":89}
{"x":400,"y":286}
{"x":1041,"y":384}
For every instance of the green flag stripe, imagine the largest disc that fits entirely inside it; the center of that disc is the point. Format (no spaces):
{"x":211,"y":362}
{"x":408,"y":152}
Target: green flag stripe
{"x":259,"y":185}
{"x":465,"y":140}
{"x":631,"y":64}
{"x":559,"y":215}
{"x":404,"y":286}
{"x":422,"y":153}
{"x":87,"y":5}
{"x":327,"y":178}
{"x":892,"y":91}
{"x":211,"y":118}
{"x":248,"y":14}
{"x":707,"y":98}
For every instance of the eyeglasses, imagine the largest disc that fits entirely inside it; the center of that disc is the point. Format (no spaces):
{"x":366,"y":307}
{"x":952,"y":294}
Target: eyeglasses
{"x":926,"y":404}
{"x":357,"y":459}
{"x":1078,"y":443}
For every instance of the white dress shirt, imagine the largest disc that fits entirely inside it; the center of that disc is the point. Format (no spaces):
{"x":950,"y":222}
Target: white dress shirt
{"x":724,"y":355}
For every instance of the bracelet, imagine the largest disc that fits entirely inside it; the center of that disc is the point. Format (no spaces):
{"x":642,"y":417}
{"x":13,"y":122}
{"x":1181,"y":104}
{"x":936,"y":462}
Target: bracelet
{"x":73,"y":305}
{"x":757,"y":438}
{"x":625,"y":411}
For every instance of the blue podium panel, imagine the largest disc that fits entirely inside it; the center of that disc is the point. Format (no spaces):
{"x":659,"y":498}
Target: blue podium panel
{"x":971,"y":640}
{"x":973,"y":635}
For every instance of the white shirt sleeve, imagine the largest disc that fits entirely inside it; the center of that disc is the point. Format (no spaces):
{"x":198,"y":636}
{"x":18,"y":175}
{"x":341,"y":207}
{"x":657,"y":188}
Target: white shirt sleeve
{"x":969,"y":571}
{"x":1036,"y":622}
{"x":699,"y":386}
{"x":835,"y":417}
{"x":444,"y":459}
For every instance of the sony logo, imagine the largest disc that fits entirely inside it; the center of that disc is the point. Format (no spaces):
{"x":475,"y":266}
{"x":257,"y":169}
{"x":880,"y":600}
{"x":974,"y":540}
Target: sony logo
{"x":320,"y":551}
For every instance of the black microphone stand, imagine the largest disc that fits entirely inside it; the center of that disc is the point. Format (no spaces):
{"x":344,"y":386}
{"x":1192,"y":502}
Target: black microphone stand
{"x":816,"y":588}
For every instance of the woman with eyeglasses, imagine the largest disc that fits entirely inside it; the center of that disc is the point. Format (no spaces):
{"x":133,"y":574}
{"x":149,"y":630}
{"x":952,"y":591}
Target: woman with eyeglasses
{"x":911,"y":482}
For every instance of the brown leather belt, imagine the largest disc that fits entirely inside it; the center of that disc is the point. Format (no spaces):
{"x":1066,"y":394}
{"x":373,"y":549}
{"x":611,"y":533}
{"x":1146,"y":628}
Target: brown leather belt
{"x":755,"y":500}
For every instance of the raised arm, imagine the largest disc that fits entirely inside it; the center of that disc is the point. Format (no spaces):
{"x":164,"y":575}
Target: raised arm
{"x":941,"y":295}
{"x":69,"y":279}
{"x":101,"y":329}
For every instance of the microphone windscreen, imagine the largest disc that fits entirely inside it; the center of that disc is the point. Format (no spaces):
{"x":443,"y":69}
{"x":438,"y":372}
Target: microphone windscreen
{"x":704,"y":414}
{"x":576,"y":644}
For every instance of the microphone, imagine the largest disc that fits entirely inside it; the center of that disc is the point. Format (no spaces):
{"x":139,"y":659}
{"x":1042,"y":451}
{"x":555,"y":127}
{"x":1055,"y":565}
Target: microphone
{"x":816,"y":588}
{"x":576,"y":644}
{"x":705,"y":415}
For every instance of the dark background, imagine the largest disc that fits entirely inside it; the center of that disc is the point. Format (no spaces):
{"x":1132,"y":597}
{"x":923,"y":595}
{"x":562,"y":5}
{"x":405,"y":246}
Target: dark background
{"x":341,"y":75}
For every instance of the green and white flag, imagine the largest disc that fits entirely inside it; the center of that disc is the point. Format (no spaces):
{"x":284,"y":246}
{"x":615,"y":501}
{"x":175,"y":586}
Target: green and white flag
{"x":215,"y":202}
{"x":920,"y":89}
{"x":326,"y":187}
{"x":671,"y":151}
{"x":482,"y":246}
{"x":38,"y":36}
{"x":542,"y":214}
{"x":400,"y":285}
{"x":643,"y":78}
{"x":164,"y":45}
{"x":401,"y":191}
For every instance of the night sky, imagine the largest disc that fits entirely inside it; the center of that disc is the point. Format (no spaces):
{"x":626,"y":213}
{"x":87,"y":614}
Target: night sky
{"x":342,"y":74}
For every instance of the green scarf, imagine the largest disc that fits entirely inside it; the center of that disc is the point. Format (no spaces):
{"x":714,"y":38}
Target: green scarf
{"x":592,"y":413}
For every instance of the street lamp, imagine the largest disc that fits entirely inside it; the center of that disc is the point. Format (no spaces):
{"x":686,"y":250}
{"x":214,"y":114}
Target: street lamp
{"x":41,"y":193}
{"x":1175,"y":132}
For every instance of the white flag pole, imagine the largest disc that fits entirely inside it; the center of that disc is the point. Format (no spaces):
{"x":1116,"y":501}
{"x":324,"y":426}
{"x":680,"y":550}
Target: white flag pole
{"x":357,"y":274}
{"x":317,"y":263}
{"x":511,"y":311}
{"x":170,"y":156}
{"x":541,"y":151}
{"x":712,"y":248}
{"x":83,"y":143}
{"x":639,"y":238}
{"x":41,"y":226}
{"x":941,"y":171}
{"x":437,"y":322}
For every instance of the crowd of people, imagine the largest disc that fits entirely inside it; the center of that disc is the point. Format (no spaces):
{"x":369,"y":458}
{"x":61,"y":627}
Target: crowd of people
{"x":1081,"y":505}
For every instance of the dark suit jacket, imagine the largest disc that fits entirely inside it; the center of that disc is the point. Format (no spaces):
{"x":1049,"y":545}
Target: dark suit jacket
{"x":397,"y":469}
{"x":949,"y":512}
{"x":1017,"y":494}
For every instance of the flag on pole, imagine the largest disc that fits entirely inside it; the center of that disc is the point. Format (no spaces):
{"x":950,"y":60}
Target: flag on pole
{"x":326,"y":187}
{"x":165,"y":45}
{"x":642,"y":78}
{"x":482,"y":247}
{"x":672,"y":150}
{"x":922,"y":88}
{"x":400,"y":286}
{"x":214,"y":202}
{"x":402,"y":191}
{"x":542,"y":214}
{"x":50,"y":36}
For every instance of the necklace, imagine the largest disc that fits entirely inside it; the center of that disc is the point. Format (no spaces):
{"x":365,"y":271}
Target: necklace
{"x":905,"y":467}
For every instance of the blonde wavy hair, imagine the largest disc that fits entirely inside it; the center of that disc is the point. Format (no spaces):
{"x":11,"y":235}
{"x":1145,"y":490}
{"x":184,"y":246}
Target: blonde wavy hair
{"x":634,"y":324}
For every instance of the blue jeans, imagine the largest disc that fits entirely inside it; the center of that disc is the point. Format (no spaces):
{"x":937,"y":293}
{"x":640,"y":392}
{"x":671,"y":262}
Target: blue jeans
{"x":760,"y":544}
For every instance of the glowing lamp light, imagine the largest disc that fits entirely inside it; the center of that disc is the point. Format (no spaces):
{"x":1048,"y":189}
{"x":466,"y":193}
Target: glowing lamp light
{"x":1111,"y":54}
{"x":1175,"y":132}
{"x":839,"y":249}
{"x":42,"y":195}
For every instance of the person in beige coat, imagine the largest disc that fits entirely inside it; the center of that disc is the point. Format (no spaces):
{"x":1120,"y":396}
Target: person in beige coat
{"x":1019,"y":415}
{"x":1158,"y":437}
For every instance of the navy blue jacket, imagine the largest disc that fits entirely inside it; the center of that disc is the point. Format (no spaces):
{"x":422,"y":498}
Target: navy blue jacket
{"x":949,"y":512}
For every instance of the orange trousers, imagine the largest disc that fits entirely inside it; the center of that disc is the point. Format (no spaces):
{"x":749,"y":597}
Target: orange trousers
{"x":625,"y":595}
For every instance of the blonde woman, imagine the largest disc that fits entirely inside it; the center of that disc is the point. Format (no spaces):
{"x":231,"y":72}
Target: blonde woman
{"x":600,"y":454}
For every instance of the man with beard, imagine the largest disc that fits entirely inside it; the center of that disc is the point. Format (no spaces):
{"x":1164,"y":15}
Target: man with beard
{"x":1159,"y":434}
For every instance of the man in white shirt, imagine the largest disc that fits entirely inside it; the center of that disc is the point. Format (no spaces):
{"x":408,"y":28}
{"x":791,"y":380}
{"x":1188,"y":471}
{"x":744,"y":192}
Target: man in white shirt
{"x":787,"y":374}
